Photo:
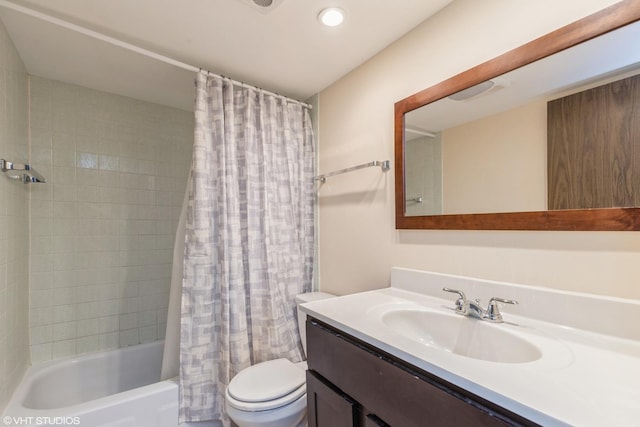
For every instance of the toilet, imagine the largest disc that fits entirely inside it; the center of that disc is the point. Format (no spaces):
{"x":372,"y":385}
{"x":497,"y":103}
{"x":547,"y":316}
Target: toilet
{"x":273,"y":393}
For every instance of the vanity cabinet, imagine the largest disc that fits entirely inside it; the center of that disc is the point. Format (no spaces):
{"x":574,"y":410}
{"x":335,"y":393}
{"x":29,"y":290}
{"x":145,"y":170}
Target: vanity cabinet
{"x":351,"y":383}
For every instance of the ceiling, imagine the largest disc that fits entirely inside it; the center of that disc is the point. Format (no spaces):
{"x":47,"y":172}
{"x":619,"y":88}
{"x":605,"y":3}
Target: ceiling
{"x":281,"y":48}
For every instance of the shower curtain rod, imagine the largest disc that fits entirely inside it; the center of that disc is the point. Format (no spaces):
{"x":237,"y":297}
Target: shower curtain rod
{"x":133,"y":48}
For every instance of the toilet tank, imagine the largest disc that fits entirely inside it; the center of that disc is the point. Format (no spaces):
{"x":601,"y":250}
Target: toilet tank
{"x":302,"y":317}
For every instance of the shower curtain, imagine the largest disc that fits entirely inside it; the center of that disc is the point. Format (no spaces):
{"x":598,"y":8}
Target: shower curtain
{"x":249,"y":239}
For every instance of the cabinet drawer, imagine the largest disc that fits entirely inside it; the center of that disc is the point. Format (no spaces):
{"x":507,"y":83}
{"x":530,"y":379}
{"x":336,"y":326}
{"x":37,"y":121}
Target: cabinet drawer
{"x":399,"y":394}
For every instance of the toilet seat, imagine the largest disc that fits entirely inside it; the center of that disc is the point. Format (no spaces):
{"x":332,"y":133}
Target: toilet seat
{"x":266,"y":386}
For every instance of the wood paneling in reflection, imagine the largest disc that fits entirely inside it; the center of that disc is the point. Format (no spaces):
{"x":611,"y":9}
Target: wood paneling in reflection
{"x":593,"y":156}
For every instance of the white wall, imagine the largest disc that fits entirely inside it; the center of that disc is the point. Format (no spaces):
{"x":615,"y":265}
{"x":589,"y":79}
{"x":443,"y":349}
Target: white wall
{"x":14,"y":222}
{"x":423,"y":169}
{"x":358,"y":240}
{"x":103,"y":226}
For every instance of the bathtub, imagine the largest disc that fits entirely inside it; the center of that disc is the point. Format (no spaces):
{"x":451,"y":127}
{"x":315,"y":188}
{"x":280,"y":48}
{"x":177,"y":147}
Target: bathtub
{"x":115,"y":388}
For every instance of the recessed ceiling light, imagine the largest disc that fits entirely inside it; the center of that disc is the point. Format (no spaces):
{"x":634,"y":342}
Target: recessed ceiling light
{"x":331,"y":16}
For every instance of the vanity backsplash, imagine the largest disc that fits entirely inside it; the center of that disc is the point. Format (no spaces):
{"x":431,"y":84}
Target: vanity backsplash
{"x":596,"y":313}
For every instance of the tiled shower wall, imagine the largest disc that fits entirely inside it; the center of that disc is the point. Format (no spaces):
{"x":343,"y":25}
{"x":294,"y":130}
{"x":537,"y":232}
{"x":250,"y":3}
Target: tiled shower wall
{"x":14,"y":222}
{"x":103,"y":227}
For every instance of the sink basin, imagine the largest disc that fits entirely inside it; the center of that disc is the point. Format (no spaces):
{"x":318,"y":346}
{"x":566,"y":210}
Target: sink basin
{"x":464,"y":336}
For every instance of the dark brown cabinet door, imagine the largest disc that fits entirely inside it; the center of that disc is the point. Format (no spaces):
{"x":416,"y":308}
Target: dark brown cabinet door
{"x":327,"y":406}
{"x":373,"y":421}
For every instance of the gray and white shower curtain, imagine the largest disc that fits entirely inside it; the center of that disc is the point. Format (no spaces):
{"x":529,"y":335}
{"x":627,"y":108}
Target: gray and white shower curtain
{"x":249,"y":242}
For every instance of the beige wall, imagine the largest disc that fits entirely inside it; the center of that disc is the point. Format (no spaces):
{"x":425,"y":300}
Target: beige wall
{"x":477,"y":156}
{"x":14,"y":222}
{"x":358,"y":240}
{"x":103,"y":227}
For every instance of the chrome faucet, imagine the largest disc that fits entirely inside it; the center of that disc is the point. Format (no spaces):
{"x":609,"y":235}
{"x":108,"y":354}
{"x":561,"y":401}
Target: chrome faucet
{"x":473,"y":308}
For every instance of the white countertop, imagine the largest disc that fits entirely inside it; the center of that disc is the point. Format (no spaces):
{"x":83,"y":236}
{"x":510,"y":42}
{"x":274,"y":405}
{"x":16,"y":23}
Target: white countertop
{"x":583,"y":378}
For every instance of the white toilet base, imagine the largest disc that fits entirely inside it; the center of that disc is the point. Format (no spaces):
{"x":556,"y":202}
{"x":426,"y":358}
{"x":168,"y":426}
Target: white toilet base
{"x":291,"y":415}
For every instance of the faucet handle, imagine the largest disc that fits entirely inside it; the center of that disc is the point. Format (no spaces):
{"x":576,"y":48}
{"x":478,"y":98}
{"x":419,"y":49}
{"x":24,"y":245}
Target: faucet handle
{"x":460,"y":302}
{"x":493,"y":310}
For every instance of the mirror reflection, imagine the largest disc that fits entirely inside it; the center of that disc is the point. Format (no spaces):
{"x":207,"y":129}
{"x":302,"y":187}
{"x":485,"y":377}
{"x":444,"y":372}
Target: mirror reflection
{"x":501,"y":146}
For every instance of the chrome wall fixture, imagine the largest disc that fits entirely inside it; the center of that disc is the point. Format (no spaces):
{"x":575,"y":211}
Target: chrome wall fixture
{"x":21,"y":172}
{"x":385,"y":165}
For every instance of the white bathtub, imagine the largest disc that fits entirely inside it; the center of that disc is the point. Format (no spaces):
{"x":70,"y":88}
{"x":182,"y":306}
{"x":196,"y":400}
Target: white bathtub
{"x":115,"y":388}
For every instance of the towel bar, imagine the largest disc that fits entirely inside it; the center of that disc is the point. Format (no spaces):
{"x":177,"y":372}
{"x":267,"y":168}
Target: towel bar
{"x":29,"y":175}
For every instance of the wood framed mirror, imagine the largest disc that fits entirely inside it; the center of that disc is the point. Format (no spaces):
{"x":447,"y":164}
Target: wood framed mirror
{"x":599,"y":26}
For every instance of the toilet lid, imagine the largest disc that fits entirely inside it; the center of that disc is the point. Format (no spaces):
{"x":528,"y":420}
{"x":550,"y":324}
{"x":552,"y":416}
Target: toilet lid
{"x":299,"y":393}
{"x":276,"y":382}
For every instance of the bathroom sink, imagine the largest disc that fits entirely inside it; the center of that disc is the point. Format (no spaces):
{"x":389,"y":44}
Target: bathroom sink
{"x":462,"y":335}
